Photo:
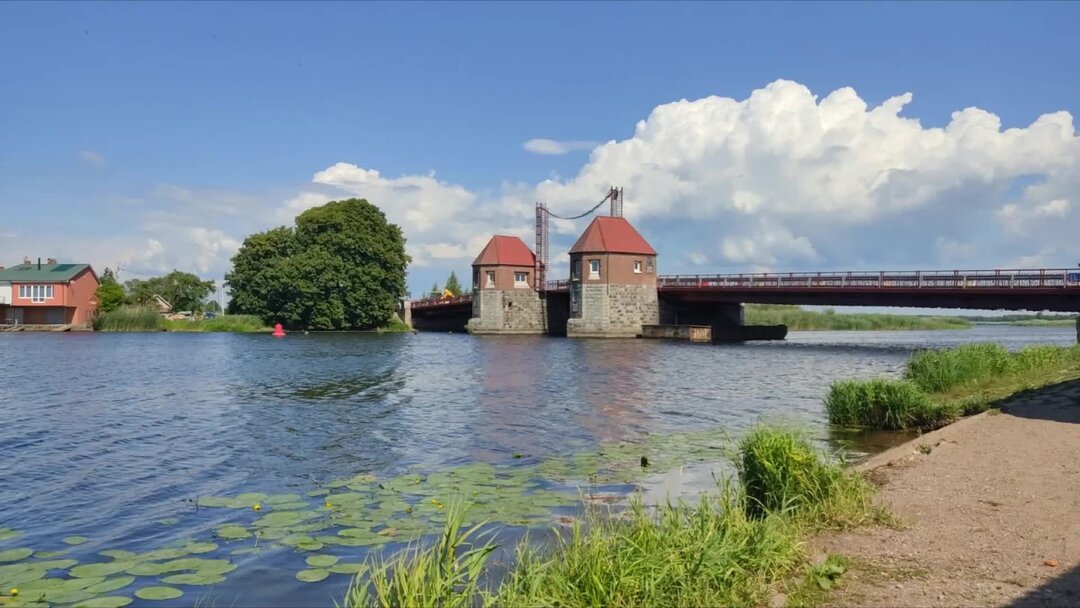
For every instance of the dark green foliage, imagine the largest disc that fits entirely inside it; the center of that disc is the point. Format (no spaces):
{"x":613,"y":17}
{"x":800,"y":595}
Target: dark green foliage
{"x":883,"y":404}
{"x":110,"y":293}
{"x":341,"y":267}
{"x":452,"y":284}
{"x":183,"y":290}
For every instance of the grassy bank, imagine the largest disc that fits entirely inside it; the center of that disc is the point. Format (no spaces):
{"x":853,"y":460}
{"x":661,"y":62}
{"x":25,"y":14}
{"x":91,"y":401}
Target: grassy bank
{"x":144,"y":319}
{"x":733,"y":548}
{"x":805,"y":320}
{"x":942,"y":385}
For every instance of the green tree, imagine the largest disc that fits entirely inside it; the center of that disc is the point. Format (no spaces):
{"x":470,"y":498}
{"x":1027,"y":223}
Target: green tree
{"x":183,"y":290}
{"x":434,"y":290}
{"x":211,"y":306}
{"x":110,"y":293}
{"x":341,"y":267}
{"x":452,"y":284}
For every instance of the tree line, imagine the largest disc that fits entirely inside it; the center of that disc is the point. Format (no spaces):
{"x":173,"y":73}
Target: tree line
{"x":182,"y":290}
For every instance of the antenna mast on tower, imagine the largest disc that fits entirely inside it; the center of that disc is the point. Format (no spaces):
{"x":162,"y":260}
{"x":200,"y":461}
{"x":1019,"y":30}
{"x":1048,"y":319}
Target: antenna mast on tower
{"x":541,"y":246}
{"x":615,"y":196}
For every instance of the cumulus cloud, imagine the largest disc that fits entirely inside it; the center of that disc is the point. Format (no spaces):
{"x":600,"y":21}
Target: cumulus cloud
{"x":92,"y":158}
{"x":783,"y":179}
{"x":556,"y":147}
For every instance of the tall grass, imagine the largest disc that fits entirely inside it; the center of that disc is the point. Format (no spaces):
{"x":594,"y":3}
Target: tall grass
{"x":226,"y":323}
{"x":129,"y":318}
{"x":798,"y":319}
{"x":730,"y":549}
{"x":941,"y":385}
{"x":884,"y":404}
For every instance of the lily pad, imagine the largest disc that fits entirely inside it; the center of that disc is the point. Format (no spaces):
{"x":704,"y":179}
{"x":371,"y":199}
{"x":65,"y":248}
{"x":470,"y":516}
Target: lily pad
{"x":279,"y":519}
{"x":347,"y":568}
{"x":146,"y":569}
{"x":54,"y":564}
{"x":232,"y":532}
{"x":118,"y":554}
{"x":158,"y":554}
{"x":214,"y":566}
{"x":279,"y":499}
{"x":293,"y":540}
{"x":105,"y":569}
{"x":112,"y":601}
{"x":321,"y":561}
{"x":6,"y":533}
{"x":111,"y":584}
{"x":158,"y":593}
{"x":195,"y":578}
{"x":14,"y":555}
{"x":70,"y":597}
{"x":320,"y":492}
{"x":313,"y":575}
{"x":217,"y":501}
{"x":197,"y":548}
{"x":312,"y":545}
{"x":75,"y":540}
{"x":251,"y":497}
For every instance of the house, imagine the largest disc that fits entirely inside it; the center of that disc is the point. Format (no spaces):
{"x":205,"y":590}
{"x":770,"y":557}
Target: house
{"x":505,"y":296}
{"x":47,"y":294}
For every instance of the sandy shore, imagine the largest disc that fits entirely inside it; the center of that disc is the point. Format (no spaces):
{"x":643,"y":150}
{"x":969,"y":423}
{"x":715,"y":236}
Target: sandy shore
{"x":990,"y":510}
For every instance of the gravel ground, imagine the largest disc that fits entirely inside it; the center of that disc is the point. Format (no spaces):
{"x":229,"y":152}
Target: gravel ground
{"x":990,"y":511}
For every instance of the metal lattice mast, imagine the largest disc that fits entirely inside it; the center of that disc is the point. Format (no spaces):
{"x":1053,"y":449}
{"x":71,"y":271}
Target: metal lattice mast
{"x":615,"y":197}
{"x":541,"y":245}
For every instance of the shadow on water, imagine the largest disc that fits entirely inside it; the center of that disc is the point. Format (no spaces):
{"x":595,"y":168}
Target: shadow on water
{"x":1061,"y":591}
{"x":1057,"y":403}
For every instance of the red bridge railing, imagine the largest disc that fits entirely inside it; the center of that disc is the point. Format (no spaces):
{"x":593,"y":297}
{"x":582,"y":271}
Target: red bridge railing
{"x":931,"y":279}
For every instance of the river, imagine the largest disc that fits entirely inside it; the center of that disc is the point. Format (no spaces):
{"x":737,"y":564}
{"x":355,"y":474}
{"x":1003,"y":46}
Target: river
{"x":115,"y":437}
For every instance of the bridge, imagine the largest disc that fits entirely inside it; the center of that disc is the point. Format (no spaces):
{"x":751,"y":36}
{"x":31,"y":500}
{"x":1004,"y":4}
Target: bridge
{"x":690,"y":298}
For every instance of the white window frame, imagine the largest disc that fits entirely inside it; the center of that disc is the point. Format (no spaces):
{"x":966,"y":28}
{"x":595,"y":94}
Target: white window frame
{"x":637,"y":266}
{"x":523,"y":282}
{"x":594,"y":269}
{"x":489,"y":279}
{"x":37,"y":293}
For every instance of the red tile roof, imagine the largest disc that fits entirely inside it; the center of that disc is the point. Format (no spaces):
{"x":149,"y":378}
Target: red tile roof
{"x":505,"y":251}
{"x":611,"y":235}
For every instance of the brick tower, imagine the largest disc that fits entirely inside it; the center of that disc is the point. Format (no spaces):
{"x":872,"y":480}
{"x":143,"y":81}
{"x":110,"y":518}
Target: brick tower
{"x":612,"y":281}
{"x":504,"y":298}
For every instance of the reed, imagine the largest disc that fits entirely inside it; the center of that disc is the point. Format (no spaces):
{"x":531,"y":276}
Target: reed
{"x":883,"y":404}
{"x":129,"y":319}
{"x":798,"y":319}
{"x":226,"y":323}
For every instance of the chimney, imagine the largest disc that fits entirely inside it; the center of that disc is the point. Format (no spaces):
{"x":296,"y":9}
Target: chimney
{"x":39,"y":263}
{"x":51,"y":261}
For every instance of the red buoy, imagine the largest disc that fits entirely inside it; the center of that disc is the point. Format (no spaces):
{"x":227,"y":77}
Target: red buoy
{"x":278,"y":332}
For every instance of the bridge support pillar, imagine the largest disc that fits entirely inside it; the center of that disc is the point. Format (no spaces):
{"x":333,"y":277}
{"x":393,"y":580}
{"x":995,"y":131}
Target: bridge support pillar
{"x":725,"y":319}
{"x":507,"y":311}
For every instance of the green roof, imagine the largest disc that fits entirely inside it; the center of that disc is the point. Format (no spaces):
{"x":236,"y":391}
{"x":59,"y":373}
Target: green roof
{"x":47,"y":273}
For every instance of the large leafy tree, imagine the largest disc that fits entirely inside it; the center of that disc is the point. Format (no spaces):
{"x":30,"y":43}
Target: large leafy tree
{"x":341,"y":267}
{"x":183,"y":290}
{"x":452,"y":284}
{"x":110,"y":293}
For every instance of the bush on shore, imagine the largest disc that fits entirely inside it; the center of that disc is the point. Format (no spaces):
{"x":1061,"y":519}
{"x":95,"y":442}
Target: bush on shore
{"x":226,"y":323}
{"x":729,"y":549}
{"x":884,"y":404}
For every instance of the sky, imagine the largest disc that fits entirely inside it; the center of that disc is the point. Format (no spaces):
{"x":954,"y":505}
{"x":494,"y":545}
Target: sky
{"x":747,"y":137}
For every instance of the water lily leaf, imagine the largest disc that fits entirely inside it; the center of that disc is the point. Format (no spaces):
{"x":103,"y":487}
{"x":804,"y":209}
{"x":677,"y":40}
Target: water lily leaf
{"x":313,"y":575}
{"x":168,"y":521}
{"x":312,"y":545}
{"x":279,"y":519}
{"x":251,"y":497}
{"x":313,"y":527}
{"x":215,"y":501}
{"x":347,"y":568}
{"x":194,"y":578}
{"x":232,"y":532}
{"x":49,"y":554}
{"x":158,"y":554}
{"x":146,"y":569}
{"x":279,"y":499}
{"x":355,"y":532}
{"x":75,"y":540}
{"x":6,"y":533}
{"x":118,"y":554}
{"x":293,"y":540}
{"x":54,"y":564}
{"x":272,"y":533}
{"x":112,"y":601}
{"x":321,"y":561}
{"x":111,"y":584}
{"x":320,"y":492}
{"x":197,"y":548}
{"x":14,"y":555}
{"x":69,"y":597}
{"x":348,"y":498}
{"x":205,"y":566}
{"x":104,"y":569}
{"x":158,"y":593}
{"x":291,"y":506}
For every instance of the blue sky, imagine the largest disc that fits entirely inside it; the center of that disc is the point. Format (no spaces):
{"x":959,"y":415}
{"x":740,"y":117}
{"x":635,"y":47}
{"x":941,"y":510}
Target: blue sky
{"x":157,"y":135}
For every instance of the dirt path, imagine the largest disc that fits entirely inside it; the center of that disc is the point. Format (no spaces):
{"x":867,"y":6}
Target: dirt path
{"x":991,"y":513}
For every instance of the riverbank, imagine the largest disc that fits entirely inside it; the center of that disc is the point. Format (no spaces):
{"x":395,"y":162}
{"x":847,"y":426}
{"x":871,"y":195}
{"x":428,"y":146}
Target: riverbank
{"x":989,"y":509}
{"x":798,"y":319}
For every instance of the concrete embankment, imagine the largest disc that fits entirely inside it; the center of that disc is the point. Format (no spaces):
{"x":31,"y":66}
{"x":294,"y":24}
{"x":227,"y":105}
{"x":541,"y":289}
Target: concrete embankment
{"x":990,"y":512}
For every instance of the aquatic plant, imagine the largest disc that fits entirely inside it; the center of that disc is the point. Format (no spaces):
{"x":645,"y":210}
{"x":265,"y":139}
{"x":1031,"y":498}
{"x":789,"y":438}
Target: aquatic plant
{"x":798,"y":319}
{"x":129,"y":319}
{"x":226,"y":323}
{"x":883,"y":404}
{"x":939,"y":370}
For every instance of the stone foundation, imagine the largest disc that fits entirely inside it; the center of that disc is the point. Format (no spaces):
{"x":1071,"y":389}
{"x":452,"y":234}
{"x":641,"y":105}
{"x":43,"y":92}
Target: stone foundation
{"x":614,"y":311}
{"x":507,"y":311}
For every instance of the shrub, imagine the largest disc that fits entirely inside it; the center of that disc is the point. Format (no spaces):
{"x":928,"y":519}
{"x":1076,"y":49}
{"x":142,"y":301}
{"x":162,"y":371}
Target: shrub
{"x":129,"y":318}
{"x":882,"y":404}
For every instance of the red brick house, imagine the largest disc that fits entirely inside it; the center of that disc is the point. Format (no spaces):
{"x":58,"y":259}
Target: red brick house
{"x":47,"y":294}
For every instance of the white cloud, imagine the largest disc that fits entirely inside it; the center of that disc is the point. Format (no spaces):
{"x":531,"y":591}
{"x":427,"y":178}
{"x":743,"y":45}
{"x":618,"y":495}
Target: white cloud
{"x":92,"y":158}
{"x":556,"y":147}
